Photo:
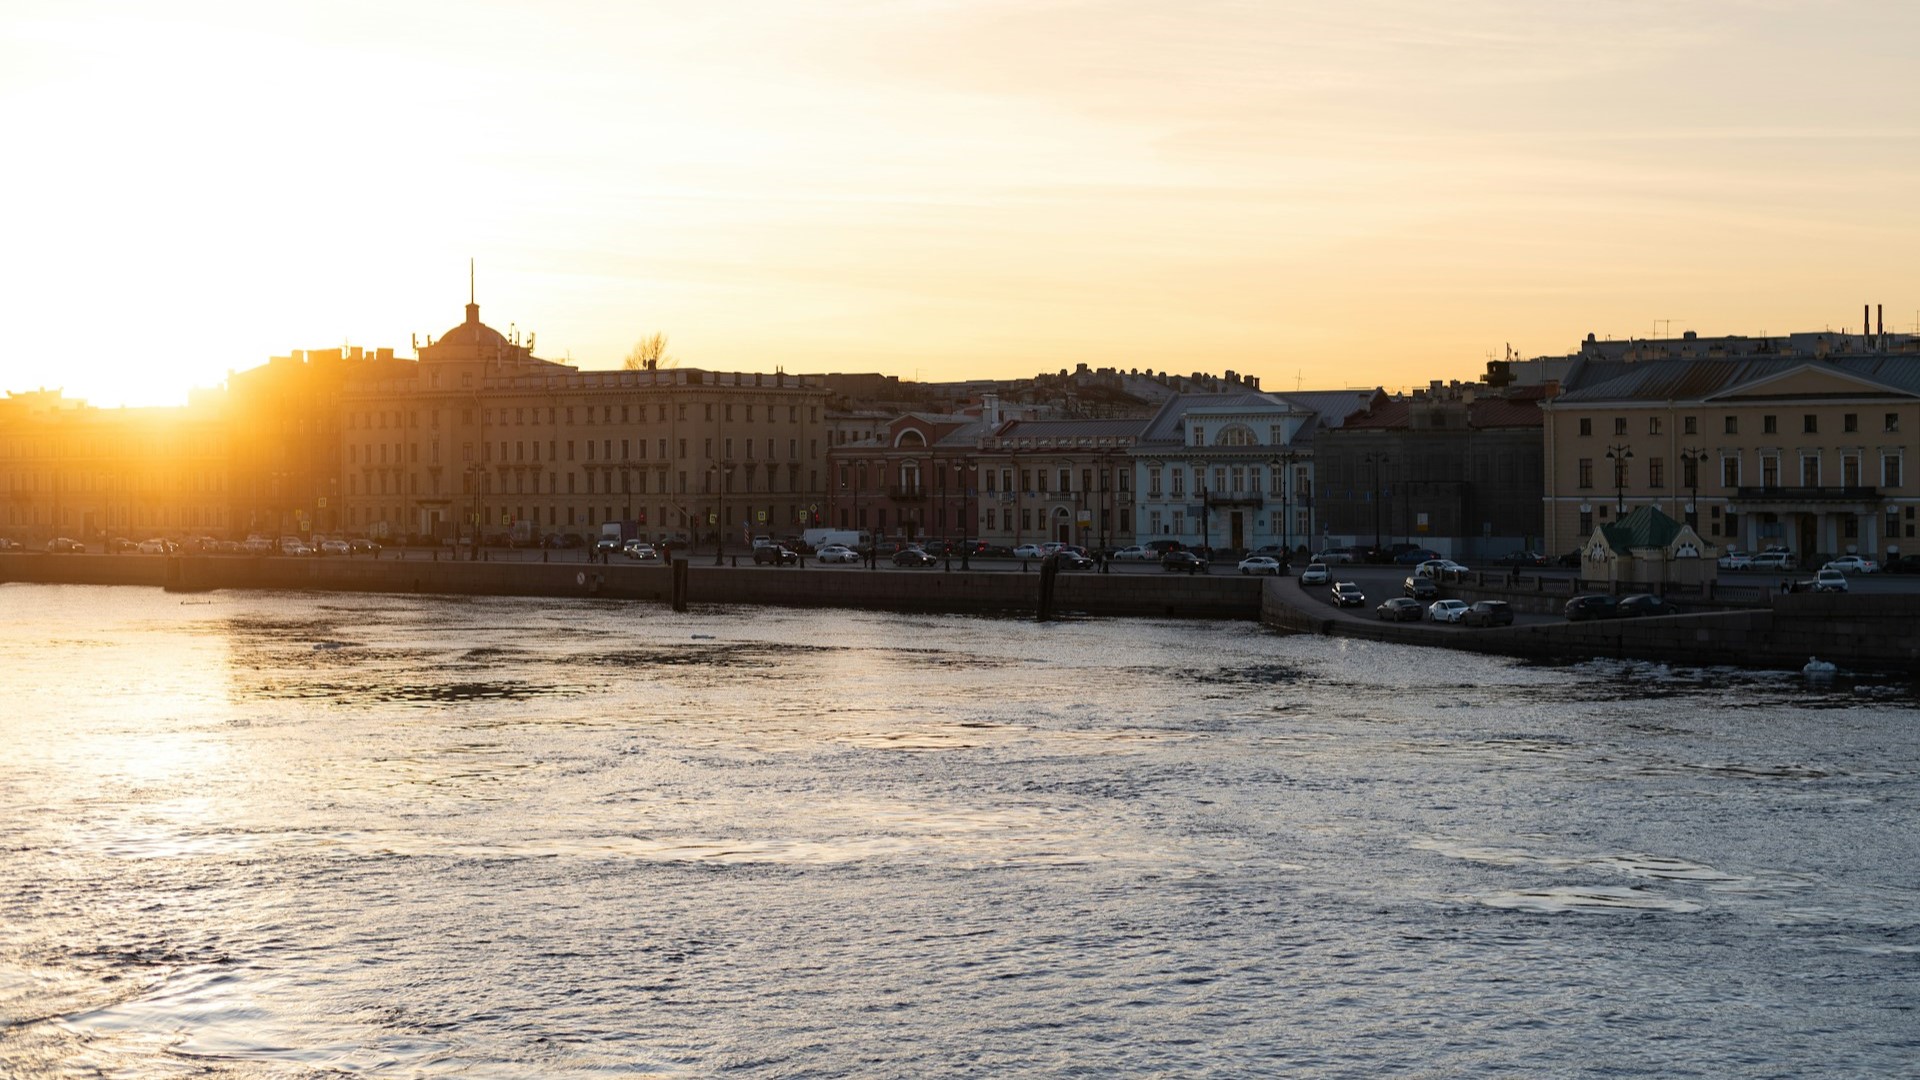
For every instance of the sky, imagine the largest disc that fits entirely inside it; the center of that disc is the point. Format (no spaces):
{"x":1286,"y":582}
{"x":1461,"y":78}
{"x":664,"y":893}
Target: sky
{"x":1322,"y":195}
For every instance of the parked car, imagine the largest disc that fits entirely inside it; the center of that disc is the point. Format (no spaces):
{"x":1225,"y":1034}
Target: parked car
{"x":1774,"y":560}
{"x":1316,"y":573}
{"x":1260,"y":564}
{"x":1514,"y":559}
{"x":1073,"y":558}
{"x":1421,"y":588}
{"x":1438,"y":569}
{"x":152,"y":547}
{"x":1853,"y":564}
{"x":1488,"y":613}
{"x":1829,"y":581}
{"x":776,"y":555}
{"x":1136,"y":553}
{"x":1335,"y":555}
{"x":1347,"y":594}
{"x":1028,"y":551}
{"x":1446,"y":611}
{"x":1640,"y":604}
{"x":362,"y":546}
{"x":293,"y":545}
{"x":1902,"y":564}
{"x":1415,"y":556}
{"x":1400,"y":609}
{"x":1162,"y":546}
{"x":61,"y":545}
{"x":1182,"y":560}
{"x":837,"y":553}
{"x":1571,"y":560}
{"x":1591,"y":606}
{"x":1735,"y":559}
{"x":335,"y":547}
{"x":913,"y":557}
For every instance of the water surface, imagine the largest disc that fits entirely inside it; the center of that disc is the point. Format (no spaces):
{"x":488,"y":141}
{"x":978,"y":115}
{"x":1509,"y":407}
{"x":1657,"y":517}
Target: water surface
{"x":287,"y":835}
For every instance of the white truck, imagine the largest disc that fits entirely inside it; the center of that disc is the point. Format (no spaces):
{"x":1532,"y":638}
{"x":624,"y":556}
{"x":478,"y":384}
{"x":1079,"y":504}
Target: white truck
{"x":853,"y":538}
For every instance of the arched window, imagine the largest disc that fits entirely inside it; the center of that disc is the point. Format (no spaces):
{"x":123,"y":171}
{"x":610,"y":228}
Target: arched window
{"x":1234,"y":435}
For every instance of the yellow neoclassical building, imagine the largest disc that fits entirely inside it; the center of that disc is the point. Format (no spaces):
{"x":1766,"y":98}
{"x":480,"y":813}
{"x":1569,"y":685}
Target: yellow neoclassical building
{"x":479,"y":430}
{"x":1804,"y":452}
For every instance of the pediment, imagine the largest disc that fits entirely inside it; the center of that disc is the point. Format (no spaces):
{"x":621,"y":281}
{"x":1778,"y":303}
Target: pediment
{"x":1809,"y":381}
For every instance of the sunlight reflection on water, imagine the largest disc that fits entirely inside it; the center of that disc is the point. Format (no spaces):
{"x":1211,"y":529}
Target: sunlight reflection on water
{"x":266,"y":835}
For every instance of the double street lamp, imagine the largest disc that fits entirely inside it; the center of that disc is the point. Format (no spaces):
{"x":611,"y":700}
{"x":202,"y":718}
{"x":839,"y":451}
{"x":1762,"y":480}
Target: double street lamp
{"x":1620,"y":455}
{"x":1693,"y":457}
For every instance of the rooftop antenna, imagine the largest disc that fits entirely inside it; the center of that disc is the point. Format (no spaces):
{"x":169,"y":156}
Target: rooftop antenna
{"x":1299,"y":377}
{"x":470,"y":279}
{"x":1658,"y":323}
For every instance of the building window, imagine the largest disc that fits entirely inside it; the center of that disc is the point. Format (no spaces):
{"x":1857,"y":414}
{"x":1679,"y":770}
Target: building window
{"x":1809,"y":424}
{"x":1586,"y":472}
{"x":1656,"y":472}
{"x":1199,"y":435}
{"x":1178,"y":477}
{"x":1850,"y":470}
{"x":1769,"y":471}
{"x":1153,"y":483}
{"x":1730,"y":472}
{"x":1690,"y":471}
{"x":1586,"y":425}
{"x":1653,"y":425}
{"x":1586,"y":525}
{"x":1810,"y":471}
{"x":1732,"y":425}
{"x":1893,"y":422}
{"x":1619,"y":425}
{"x":1769,"y":425}
{"x":1890,"y":471}
{"x":1850,"y":527}
{"x":1850,"y":422}
{"x":1690,"y":425}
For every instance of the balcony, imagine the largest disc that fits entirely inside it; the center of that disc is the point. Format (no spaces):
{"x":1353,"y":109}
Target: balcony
{"x":1809,"y":494}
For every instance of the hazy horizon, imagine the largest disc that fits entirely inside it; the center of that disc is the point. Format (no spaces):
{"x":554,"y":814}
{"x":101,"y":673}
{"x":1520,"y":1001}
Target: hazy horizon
{"x":1379,"y":195}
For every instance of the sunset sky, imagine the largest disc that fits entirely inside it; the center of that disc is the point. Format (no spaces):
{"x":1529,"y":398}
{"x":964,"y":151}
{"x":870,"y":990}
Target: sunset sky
{"x":1338,"y":194}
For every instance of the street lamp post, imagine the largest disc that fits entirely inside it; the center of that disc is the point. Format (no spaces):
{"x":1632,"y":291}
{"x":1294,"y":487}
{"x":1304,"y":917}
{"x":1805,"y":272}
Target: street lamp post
{"x":1693,"y":457}
{"x":966,"y":469}
{"x":1376,"y":460}
{"x":1620,"y":454}
{"x":719,"y":513}
{"x":1206,"y":533}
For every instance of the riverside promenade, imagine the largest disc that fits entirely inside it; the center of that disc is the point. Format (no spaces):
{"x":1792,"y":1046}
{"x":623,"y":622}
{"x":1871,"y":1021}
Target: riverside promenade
{"x":1857,"y":632}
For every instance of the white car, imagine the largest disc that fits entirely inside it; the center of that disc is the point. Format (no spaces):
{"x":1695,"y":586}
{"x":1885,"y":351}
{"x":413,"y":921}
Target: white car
{"x":1736,"y":559}
{"x":1334,"y":555}
{"x":1028,"y":551}
{"x":1829,"y":580}
{"x":152,"y":547}
{"x":1438,"y":569}
{"x":1315,"y":574}
{"x":1136,"y":553}
{"x":335,"y":547}
{"x":1260,"y":564}
{"x":837,"y":553}
{"x":1774,"y":560}
{"x":1853,"y":564}
{"x":1448,"y":611}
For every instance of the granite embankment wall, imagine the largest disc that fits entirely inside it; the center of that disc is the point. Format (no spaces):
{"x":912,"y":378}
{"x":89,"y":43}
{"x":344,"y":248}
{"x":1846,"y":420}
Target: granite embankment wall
{"x":1878,"y":633}
{"x":1148,"y":595}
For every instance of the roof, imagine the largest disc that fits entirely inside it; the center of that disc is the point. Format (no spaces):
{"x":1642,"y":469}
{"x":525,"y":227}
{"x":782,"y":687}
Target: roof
{"x":1645,"y":527}
{"x":1696,"y":380}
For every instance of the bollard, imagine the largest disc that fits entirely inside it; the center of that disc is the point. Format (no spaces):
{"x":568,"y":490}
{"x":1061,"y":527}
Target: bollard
{"x":680,"y":585}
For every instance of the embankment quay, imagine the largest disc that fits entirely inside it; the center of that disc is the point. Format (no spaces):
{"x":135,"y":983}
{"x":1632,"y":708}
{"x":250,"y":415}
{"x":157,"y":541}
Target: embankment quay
{"x":1876,"y":630}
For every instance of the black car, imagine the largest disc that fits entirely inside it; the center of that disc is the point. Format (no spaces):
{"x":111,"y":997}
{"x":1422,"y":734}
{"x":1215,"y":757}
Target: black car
{"x":1592,"y":606}
{"x":775,"y":555}
{"x":1421,"y":588}
{"x":913,"y":557}
{"x":1073,"y":559}
{"x":1644,"y":604}
{"x":1182,"y":560}
{"x":1521,"y":558}
{"x":1901,"y":564}
{"x":1489,"y":613}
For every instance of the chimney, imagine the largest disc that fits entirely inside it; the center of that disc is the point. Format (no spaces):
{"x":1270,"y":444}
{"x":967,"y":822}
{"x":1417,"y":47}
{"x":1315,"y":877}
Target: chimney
{"x":1866,"y":321}
{"x":1879,"y":320}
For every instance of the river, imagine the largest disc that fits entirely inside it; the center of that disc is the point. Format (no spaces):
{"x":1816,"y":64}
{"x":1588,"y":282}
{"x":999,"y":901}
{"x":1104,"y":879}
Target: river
{"x":292,"y":835}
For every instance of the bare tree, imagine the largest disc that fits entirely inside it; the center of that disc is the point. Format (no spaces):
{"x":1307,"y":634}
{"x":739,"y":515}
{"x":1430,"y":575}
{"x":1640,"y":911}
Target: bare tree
{"x":649,"y":353}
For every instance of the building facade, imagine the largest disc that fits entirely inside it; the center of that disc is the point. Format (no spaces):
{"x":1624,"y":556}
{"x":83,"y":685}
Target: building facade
{"x":1805,"y":452}
{"x":1453,"y":469}
{"x":68,"y":469}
